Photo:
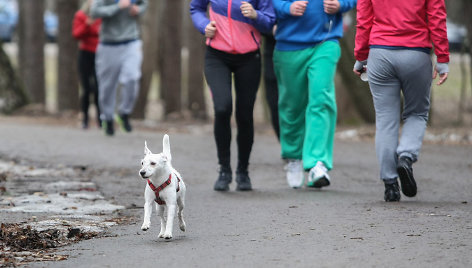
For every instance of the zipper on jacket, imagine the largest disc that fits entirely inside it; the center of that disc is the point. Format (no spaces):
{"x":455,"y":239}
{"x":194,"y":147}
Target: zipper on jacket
{"x":254,"y":38}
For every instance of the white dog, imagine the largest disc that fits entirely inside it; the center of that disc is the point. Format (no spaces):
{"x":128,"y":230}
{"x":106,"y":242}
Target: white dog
{"x":164,"y":186}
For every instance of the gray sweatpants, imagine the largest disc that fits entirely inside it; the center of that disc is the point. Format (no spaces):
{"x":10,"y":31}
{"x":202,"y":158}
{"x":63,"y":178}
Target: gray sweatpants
{"x":391,"y":72}
{"x":118,"y":65}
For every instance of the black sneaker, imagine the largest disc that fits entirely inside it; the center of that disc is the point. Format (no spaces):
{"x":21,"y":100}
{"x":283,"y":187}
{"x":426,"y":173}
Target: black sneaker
{"x":123,"y":121}
{"x":243,"y":180}
{"x":405,"y":172}
{"x":224,"y":179}
{"x":392,"y":192}
{"x":107,"y":126}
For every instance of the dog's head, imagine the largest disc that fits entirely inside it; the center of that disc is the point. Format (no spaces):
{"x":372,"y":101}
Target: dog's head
{"x":155,"y":163}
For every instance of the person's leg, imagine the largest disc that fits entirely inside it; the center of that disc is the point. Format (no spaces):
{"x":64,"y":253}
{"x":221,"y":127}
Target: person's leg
{"x":94,"y":86}
{"x":270,"y":83}
{"x":385,"y":89}
{"x":321,"y":112}
{"x":219,"y":78}
{"x":416,"y":87}
{"x":247,"y":77}
{"x":84,"y":72}
{"x":415,"y":70}
{"x":291,"y":72}
{"x":108,"y":67}
{"x":107,"y":64}
{"x":129,"y":79}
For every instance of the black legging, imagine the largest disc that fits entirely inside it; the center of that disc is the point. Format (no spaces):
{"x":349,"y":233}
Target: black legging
{"x":246,"y":68}
{"x":88,"y":80}
{"x":270,"y":82}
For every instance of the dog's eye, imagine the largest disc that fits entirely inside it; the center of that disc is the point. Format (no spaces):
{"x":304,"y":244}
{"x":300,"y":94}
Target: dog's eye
{"x":142,"y":163}
{"x":153,"y":163}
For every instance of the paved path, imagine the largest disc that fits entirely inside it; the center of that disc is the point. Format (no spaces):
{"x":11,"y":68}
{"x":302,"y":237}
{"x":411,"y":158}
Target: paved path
{"x":345,"y":225}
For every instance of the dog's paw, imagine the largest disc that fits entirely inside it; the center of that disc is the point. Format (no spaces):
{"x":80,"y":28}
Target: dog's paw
{"x":161,"y":235}
{"x":167,"y":236}
{"x":145,"y":226}
{"x":182,"y":226}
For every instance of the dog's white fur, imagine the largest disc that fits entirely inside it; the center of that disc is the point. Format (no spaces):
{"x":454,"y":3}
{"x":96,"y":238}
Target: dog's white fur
{"x":157,"y":168}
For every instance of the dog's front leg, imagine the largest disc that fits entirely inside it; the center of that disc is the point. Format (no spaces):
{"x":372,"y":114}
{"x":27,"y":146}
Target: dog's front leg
{"x":170,"y":221}
{"x":147,"y":215}
{"x":160,"y":213}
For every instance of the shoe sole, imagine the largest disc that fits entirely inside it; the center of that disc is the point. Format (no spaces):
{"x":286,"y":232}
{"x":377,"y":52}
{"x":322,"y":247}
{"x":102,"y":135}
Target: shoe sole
{"x":297,"y":186}
{"x":392,"y":200}
{"x":221,"y":189}
{"x":243,"y":189}
{"x":407,"y":180}
{"x":321,"y":182}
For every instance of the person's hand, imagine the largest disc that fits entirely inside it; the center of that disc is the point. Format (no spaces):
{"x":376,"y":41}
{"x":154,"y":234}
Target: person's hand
{"x":274,"y":29}
{"x":298,"y":8}
{"x":124,"y":4}
{"x":359,"y":67}
{"x":134,"y":10}
{"x":89,"y":21}
{"x":443,"y":70}
{"x":248,"y":10}
{"x":331,"y":6}
{"x":210,"y":29}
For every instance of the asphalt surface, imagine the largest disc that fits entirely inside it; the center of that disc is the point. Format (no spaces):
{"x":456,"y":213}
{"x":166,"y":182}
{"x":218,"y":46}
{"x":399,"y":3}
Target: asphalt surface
{"x":344,"y":225}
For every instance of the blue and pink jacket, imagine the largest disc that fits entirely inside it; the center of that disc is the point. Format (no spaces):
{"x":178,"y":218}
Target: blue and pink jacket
{"x":235,"y":33}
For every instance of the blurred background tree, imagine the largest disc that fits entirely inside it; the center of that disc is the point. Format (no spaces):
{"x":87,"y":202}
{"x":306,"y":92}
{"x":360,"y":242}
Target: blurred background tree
{"x":68,"y":82}
{"x":31,"y":49}
{"x":12,"y":94}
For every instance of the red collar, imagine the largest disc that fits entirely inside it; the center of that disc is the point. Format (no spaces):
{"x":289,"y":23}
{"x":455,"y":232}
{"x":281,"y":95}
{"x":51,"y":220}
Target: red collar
{"x":161,"y":187}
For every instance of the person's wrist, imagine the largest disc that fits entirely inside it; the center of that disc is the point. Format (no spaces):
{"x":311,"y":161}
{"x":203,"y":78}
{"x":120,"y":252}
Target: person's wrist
{"x":442,"y":67}
{"x":359,"y":65}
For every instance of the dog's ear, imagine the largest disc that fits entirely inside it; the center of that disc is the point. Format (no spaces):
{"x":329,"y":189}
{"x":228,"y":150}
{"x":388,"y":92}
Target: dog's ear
{"x":166,"y":147}
{"x":146,"y":150}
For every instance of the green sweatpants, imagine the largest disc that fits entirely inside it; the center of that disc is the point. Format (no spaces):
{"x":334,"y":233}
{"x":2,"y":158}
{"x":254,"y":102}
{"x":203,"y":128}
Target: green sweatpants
{"x":307,"y":102}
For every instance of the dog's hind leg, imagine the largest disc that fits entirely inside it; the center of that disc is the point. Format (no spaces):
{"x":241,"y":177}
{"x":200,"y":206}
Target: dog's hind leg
{"x":160,"y":213}
{"x":181,"y":204}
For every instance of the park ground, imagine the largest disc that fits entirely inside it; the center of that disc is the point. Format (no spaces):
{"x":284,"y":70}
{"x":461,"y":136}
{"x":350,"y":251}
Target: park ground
{"x":344,"y":225}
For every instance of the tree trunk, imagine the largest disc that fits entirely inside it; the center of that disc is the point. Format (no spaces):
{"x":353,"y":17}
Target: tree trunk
{"x":170,"y":69}
{"x":468,"y":23}
{"x":68,"y":83}
{"x":149,"y":35}
{"x":12,"y":95}
{"x":195,"y":83}
{"x":358,"y":90}
{"x":31,"y":49}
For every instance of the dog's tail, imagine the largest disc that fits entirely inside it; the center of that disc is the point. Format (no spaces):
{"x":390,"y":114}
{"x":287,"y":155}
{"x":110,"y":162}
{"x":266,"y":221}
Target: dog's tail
{"x":166,"y":146}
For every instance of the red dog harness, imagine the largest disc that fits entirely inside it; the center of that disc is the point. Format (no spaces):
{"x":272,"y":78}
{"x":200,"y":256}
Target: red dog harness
{"x":161,"y":187}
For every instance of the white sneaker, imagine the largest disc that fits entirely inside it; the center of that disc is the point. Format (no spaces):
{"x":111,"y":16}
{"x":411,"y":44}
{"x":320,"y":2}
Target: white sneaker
{"x":318,"y":176}
{"x":295,"y":173}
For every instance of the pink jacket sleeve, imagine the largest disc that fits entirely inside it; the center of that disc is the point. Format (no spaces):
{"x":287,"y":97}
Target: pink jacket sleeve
{"x":436,"y":12}
{"x":365,"y":18}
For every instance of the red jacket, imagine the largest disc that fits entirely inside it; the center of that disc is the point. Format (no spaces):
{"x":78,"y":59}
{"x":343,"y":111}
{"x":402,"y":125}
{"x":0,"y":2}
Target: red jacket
{"x":402,"y":23}
{"x":85,"y":33}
